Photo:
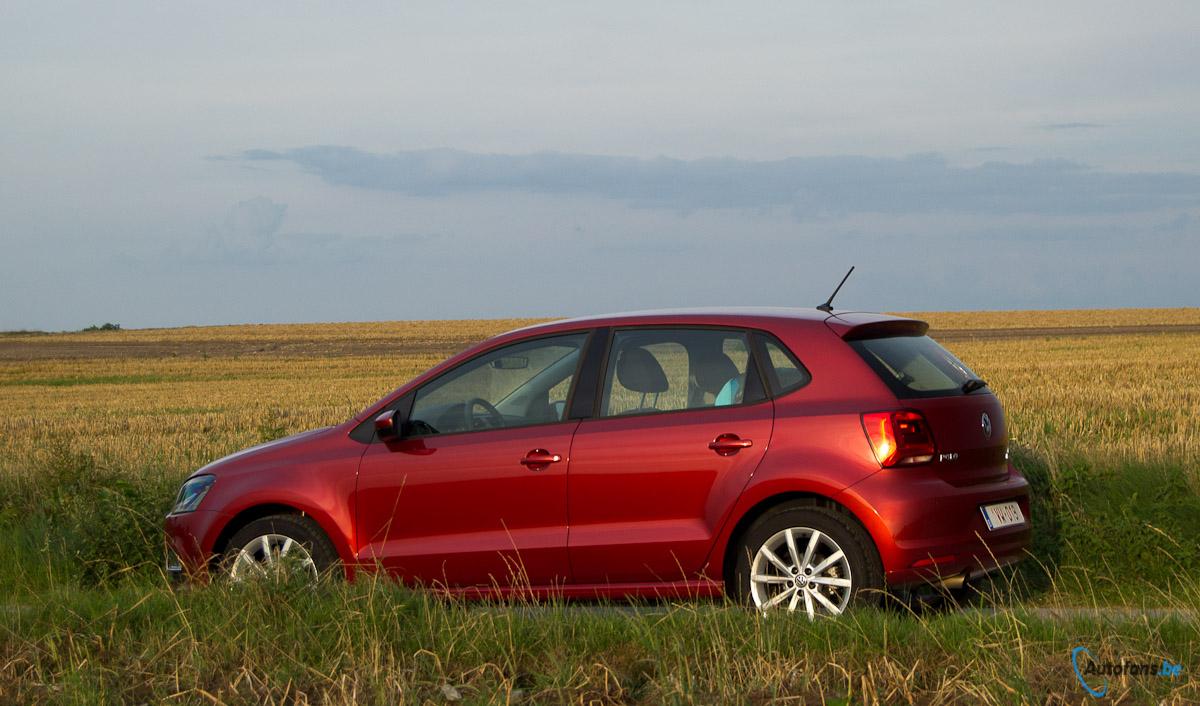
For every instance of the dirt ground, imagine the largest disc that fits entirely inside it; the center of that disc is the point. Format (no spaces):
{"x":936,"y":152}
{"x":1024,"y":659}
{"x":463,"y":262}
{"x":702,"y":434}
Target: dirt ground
{"x":47,"y":347}
{"x":55,"y":346}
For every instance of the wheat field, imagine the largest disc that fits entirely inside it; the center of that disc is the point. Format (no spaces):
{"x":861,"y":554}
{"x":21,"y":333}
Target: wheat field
{"x":200,"y":393}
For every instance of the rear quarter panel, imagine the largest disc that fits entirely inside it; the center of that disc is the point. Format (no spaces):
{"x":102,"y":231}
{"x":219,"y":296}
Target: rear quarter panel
{"x":818,"y":446}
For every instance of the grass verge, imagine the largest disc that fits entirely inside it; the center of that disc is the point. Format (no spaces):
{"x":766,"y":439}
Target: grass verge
{"x":88,"y":618}
{"x":374,"y":642}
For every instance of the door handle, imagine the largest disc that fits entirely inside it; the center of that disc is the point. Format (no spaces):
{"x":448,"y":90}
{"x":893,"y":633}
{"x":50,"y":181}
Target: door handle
{"x":729,"y":444}
{"x":539,"y":459}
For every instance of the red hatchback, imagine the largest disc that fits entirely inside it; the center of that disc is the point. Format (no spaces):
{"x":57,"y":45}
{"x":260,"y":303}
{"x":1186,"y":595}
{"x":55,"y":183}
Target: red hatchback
{"x":788,"y":457}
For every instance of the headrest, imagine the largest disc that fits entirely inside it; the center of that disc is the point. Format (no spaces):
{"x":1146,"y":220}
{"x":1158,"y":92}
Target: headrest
{"x":712,"y":370}
{"x":638,"y":370}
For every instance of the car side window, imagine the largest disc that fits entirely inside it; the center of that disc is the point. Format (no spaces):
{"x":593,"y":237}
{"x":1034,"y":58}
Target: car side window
{"x":784,"y":371}
{"x":664,"y":370}
{"x":518,"y":385}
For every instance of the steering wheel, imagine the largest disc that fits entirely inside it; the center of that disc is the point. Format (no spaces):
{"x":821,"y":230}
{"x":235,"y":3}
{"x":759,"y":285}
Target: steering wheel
{"x":494,"y":416}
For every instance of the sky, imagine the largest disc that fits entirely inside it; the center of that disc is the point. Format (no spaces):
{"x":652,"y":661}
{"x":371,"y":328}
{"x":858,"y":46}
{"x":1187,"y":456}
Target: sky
{"x":167,"y":164}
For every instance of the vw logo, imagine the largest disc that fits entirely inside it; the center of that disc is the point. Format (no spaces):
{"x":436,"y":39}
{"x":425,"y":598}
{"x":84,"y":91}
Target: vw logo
{"x":986,"y":423}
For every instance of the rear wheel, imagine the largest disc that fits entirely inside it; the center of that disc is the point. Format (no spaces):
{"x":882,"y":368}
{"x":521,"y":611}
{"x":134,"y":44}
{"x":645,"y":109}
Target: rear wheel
{"x":279,"y":548}
{"x":802,"y":557}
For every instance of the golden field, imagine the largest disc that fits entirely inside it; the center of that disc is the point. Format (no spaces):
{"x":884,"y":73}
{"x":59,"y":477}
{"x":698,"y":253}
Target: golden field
{"x":1061,"y":318}
{"x":173,"y":399}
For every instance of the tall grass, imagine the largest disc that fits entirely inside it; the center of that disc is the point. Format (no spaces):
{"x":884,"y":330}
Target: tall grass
{"x":375,"y":642}
{"x":88,"y":616}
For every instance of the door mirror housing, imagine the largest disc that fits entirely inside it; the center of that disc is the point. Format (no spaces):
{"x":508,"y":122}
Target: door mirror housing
{"x":388,"y":424}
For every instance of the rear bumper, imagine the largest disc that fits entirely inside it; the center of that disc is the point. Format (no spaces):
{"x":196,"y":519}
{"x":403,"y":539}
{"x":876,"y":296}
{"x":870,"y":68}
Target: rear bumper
{"x":928,"y":530}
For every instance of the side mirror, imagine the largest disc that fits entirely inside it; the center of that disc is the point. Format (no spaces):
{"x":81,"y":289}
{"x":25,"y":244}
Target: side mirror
{"x":387,"y":425}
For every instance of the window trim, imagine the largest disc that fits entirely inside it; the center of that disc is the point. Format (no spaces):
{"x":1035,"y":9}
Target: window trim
{"x":412,"y":394}
{"x":586,"y":390}
{"x":752,"y":362}
{"x":597,"y":351}
{"x":771,"y":379}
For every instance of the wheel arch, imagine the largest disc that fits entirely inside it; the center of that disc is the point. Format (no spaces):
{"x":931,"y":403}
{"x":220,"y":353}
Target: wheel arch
{"x":260,"y":510}
{"x":245,"y":517}
{"x":755,"y":511}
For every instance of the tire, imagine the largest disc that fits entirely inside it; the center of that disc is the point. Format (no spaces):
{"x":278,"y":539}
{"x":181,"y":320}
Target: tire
{"x":858,"y":564}
{"x":298,"y":550}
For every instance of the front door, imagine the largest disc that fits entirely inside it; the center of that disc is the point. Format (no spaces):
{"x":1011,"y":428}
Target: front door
{"x":683,"y":423}
{"x":474,"y":492}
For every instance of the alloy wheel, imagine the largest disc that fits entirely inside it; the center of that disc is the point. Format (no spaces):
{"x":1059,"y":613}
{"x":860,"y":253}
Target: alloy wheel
{"x":801,"y":566}
{"x":273,"y":557}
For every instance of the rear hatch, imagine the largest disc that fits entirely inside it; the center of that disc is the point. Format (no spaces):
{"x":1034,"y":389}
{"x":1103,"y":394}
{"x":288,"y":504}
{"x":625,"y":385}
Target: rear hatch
{"x":965,"y":418}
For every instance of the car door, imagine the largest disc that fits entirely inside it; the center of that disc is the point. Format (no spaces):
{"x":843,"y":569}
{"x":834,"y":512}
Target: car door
{"x":473,"y":492}
{"x":683,"y":421}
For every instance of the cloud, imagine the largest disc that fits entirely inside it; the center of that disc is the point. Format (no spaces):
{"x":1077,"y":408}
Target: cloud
{"x":808,"y":186}
{"x":1071,"y":126}
{"x":253,"y":223}
{"x":247,"y":234}
{"x":251,"y":235}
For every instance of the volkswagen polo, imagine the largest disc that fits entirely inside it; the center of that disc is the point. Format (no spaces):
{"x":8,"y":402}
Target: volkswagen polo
{"x":791,"y":458}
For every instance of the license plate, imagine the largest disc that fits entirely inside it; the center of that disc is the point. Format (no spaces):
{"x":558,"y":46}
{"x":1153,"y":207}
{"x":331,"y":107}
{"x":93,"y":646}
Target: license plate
{"x":1002,"y":515}
{"x":172,"y":562}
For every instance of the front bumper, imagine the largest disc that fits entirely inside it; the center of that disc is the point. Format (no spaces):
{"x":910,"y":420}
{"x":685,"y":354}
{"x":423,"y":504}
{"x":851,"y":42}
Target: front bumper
{"x":928,"y":530}
{"x":188,"y":545}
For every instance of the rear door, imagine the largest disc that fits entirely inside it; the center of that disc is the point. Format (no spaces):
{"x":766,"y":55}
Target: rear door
{"x":682,"y":423}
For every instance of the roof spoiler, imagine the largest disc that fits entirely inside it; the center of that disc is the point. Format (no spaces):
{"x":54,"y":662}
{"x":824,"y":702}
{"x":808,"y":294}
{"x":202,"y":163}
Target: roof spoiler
{"x":858,"y":326}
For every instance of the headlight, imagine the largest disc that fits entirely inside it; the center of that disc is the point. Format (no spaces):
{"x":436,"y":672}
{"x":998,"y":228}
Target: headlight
{"x":192,"y":492}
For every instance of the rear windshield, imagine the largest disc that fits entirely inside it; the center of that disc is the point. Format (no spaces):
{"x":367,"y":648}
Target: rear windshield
{"x":914,"y":366}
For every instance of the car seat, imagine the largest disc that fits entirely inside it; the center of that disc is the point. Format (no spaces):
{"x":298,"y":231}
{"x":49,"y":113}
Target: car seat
{"x":638,"y":370}
{"x":713,"y":373}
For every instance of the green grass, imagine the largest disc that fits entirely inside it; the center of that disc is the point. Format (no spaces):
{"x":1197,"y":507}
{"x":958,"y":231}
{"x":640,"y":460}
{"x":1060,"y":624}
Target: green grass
{"x":137,"y":641}
{"x":1112,"y":533}
{"x":374,"y":642}
{"x":72,"y":381}
{"x":87,"y":617}
{"x":146,"y":379}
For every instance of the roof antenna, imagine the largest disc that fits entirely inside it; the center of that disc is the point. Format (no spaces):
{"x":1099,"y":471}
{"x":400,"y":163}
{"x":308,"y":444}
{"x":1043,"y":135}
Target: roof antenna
{"x":827,"y":307}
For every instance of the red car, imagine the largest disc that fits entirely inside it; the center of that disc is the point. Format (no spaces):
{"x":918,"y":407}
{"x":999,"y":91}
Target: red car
{"x":786,"y":457}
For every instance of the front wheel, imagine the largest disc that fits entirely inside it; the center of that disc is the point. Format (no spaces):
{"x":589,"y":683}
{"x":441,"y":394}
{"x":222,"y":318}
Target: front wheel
{"x":808,"y":558}
{"x":279,"y":548}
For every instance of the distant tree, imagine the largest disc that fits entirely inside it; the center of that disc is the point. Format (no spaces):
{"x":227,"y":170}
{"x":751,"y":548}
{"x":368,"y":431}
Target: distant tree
{"x":103,"y":327}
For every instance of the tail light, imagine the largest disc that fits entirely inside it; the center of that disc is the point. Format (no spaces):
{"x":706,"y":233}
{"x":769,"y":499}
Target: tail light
{"x":899,"y":438}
